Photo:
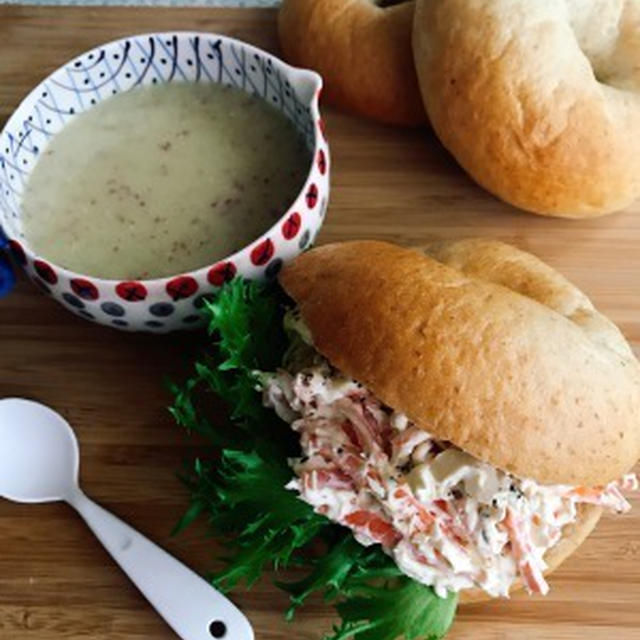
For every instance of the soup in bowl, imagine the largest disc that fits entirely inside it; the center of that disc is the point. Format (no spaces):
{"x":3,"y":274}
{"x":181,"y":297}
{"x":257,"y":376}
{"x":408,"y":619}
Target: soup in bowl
{"x":142,"y":175}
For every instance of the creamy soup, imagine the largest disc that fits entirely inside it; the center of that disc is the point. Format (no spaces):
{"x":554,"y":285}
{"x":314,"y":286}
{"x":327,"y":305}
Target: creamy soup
{"x":162,"y":180}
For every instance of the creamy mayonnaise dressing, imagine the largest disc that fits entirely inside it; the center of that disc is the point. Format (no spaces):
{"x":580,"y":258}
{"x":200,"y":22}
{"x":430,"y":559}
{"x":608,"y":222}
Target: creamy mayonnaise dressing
{"x":447,"y":519}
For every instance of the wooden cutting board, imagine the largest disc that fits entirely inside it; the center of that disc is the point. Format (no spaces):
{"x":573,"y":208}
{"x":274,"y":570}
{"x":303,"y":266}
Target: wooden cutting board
{"x":56,"y":583}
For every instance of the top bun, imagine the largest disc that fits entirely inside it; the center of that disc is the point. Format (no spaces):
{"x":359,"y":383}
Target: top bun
{"x":482,"y":345}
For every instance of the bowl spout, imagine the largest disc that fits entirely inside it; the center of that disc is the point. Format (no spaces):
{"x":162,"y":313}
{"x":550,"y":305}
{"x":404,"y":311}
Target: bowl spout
{"x":307,"y":84}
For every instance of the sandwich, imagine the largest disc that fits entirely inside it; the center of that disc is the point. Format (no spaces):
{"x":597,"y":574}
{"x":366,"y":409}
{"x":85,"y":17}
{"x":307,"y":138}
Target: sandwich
{"x":451,"y":424}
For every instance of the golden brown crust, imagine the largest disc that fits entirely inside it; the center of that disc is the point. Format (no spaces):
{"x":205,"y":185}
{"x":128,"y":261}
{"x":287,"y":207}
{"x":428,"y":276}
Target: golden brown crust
{"x":363,"y":51}
{"x":538,"y":101}
{"x":536,"y":383}
{"x":573,"y":536}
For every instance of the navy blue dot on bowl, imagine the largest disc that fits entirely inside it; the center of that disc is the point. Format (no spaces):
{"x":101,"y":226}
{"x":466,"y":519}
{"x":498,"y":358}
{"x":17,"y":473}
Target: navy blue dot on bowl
{"x":273,"y":268}
{"x":161,"y":309}
{"x":191,"y":319}
{"x":154,"y":324}
{"x":113,"y":309}
{"x":198,"y":303}
{"x":120,"y":323}
{"x":304,"y":239}
{"x":72,"y":300}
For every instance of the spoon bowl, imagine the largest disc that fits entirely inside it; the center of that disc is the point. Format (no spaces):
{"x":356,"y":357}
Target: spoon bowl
{"x":39,"y":457}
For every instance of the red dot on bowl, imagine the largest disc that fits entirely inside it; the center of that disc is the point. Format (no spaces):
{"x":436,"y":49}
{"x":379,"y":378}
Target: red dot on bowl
{"x":221,"y":273}
{"x":312,"y":196}
{"x":45,"y":271}
{"x":262,"y":253}
{"x":131,"y":291}
{"x":322,"y":161}
{"x":182,"y":287}
{"x":291,"y":226}
{"x":84,"y":289}
{"x":18,"y":252}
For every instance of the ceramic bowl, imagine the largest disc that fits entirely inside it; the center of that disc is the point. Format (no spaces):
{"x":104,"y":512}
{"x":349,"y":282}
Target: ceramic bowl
{"x":171,"y":303}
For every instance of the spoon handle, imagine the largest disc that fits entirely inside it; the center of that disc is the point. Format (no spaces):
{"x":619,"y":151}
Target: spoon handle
{"x":191,"y":606}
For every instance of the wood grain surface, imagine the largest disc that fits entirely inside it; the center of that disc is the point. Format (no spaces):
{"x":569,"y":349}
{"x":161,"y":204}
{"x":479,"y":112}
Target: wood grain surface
{"x":55,"y":580}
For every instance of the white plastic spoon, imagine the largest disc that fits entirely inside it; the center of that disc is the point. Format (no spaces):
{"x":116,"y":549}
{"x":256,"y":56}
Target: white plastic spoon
{"x":39,"y":462}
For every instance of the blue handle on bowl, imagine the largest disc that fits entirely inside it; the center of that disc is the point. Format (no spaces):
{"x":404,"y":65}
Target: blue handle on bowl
{"x":7,"y":277}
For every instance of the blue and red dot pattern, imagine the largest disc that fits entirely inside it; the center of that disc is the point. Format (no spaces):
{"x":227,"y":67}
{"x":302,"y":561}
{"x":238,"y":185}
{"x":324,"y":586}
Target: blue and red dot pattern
{"x":167,"y":303}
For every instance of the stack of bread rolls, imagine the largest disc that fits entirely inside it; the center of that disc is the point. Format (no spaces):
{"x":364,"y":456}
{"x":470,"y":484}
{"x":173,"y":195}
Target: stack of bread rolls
{"x":538,"y":101}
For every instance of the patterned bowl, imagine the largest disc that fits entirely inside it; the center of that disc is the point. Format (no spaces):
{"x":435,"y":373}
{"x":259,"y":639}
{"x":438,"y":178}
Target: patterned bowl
{"x":164,"y":304}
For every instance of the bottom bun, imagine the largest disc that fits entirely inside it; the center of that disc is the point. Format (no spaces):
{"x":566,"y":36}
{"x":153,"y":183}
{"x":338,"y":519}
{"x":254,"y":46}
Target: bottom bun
{"x":573,"y":536}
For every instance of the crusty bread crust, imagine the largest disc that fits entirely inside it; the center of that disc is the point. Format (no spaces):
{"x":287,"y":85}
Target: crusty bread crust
{"x":538,"y":101}
{"x":363,"y":52}
{"x":573,"y":535}
{"x":496,"y":353}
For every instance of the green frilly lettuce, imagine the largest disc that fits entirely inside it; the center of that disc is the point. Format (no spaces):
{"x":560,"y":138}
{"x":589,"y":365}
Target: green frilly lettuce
{"x":241,"y":491}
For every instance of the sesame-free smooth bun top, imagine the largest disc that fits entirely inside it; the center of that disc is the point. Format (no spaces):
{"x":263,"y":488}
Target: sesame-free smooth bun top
{"x":482,"y":345}
{"x":362,"y":49}
{"x":539,"y":101}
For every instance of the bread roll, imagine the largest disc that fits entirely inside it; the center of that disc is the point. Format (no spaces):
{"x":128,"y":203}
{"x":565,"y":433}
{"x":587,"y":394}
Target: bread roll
{"x":482,"y":345}
{"x":363,"y":51}
{"x":538,"y":101}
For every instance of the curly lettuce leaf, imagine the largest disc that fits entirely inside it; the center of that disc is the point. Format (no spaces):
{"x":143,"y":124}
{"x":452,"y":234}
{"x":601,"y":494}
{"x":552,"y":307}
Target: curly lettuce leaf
{"x":241,"y":490}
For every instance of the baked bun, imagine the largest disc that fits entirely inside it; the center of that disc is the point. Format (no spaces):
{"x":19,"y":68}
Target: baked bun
{"x":538,"y":101}
{"x":482,"y":345}
{"x":362,"y":50}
